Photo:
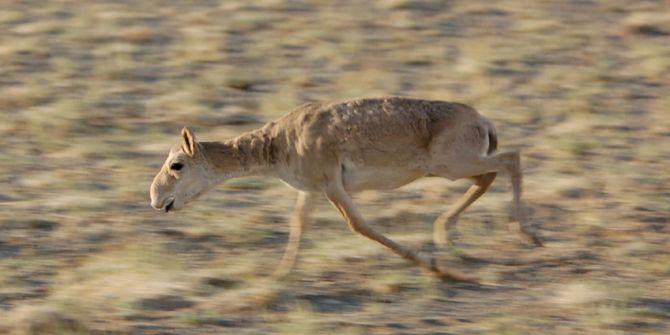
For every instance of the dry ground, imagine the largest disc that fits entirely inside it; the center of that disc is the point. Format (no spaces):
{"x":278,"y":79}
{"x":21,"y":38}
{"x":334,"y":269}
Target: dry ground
{"x":92,"y":94}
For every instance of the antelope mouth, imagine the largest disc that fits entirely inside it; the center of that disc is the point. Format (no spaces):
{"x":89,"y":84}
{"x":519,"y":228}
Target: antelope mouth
{"x":169,"y":206}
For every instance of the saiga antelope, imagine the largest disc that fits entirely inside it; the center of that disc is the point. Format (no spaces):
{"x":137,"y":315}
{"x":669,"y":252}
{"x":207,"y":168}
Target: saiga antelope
{"x":340,"y":148}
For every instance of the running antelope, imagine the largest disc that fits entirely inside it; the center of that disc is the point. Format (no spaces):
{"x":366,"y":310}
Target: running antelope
{"x":340,"y":148}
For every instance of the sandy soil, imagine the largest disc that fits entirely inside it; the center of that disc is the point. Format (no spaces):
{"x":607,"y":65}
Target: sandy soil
{"x":92,"y":94}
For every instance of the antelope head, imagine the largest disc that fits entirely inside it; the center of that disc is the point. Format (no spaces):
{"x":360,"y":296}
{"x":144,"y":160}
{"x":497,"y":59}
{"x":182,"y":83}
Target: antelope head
{"x":185,"y":175}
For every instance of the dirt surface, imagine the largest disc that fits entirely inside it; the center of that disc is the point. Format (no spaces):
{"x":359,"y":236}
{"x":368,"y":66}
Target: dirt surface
{"x":93,"y":94}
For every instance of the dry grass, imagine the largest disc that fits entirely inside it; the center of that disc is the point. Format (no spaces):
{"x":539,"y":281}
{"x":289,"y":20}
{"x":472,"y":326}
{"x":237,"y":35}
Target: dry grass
{"x":94,"y":94}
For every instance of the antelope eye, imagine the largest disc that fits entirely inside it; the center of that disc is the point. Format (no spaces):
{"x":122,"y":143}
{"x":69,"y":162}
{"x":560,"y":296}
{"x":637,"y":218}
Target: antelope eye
{"x":176,"y":166}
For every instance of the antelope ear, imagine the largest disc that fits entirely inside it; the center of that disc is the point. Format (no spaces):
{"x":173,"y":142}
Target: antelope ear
{"x":188,"y":142}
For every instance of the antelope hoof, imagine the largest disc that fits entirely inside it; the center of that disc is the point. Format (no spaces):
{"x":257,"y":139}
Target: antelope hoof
{"x":452,"y":276}
{"x":536,"y":239}
{"x":526,"y":236}
{"x":447,"y":240}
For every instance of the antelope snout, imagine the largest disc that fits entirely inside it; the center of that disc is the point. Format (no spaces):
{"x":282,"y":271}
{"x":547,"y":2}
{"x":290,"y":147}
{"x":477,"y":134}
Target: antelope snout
{"x":156,"y":205}
{"x":163,"y":205}
{"x":158,"y":198}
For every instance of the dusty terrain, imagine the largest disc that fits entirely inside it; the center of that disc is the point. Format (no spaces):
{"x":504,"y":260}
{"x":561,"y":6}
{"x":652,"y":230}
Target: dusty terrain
{"x":93,"y":93}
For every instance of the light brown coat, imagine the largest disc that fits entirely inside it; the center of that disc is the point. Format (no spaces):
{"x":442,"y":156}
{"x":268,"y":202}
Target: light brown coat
{"x":339,"y":148}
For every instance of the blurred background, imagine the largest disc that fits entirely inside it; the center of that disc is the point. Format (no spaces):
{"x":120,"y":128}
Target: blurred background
{"x":93,"y":94}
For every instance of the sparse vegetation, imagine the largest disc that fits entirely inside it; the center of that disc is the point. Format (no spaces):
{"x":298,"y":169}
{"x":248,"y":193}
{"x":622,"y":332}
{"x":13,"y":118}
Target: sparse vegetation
{"x":92,"y":95}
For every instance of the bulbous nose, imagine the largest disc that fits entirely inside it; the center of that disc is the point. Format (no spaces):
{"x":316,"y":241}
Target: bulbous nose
{"x":158,"y":205}
{"x":156,"y":201}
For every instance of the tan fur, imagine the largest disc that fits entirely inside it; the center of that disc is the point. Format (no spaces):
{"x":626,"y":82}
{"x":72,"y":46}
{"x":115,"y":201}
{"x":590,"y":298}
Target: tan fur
{"x":349,"y":146}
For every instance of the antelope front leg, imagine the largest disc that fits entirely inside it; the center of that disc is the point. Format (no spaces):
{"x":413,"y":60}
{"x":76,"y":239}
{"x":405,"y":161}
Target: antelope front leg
{"x":303,"y":208}
{"x":342,"y":201}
